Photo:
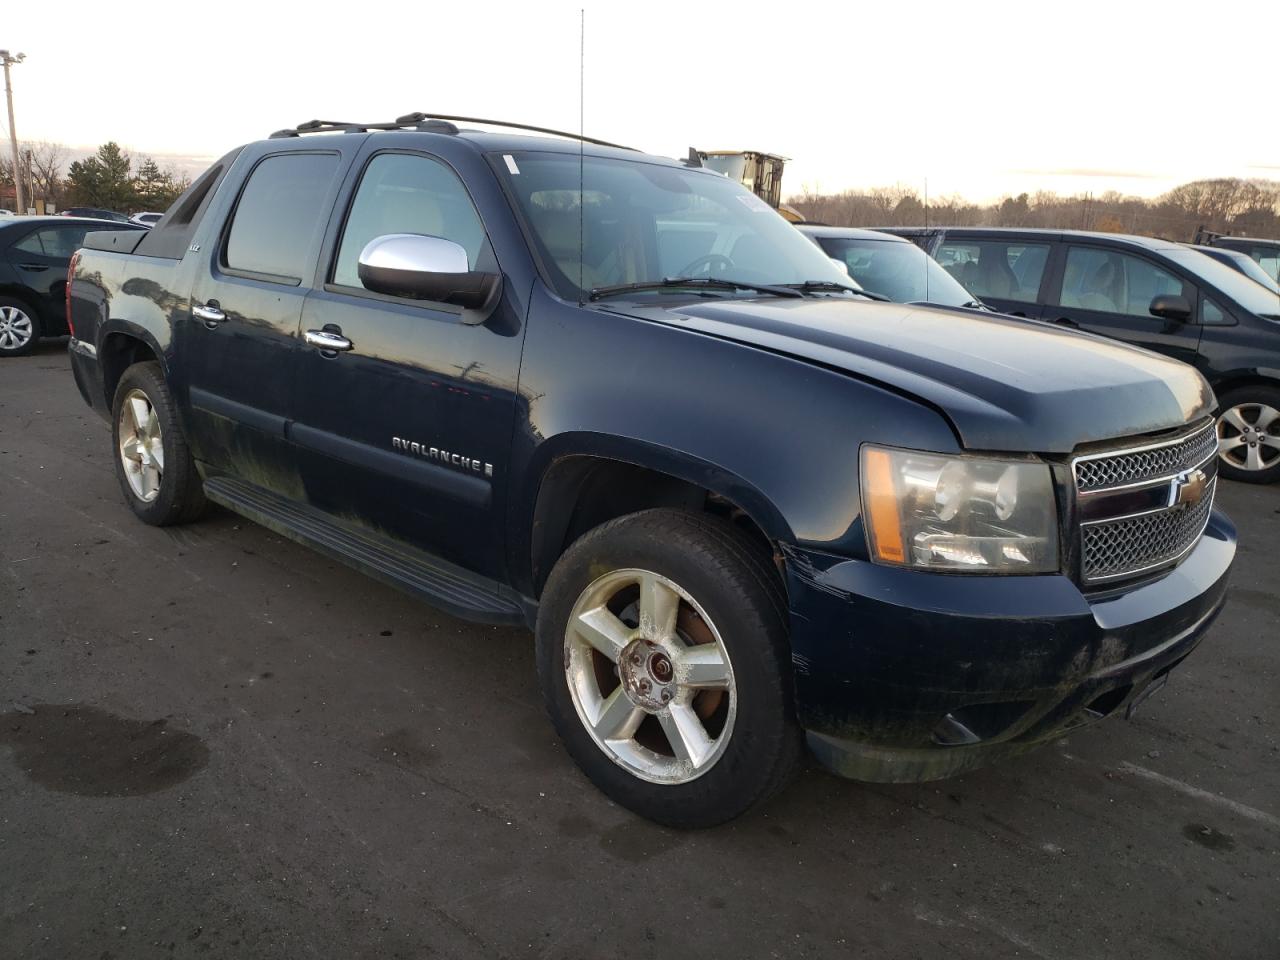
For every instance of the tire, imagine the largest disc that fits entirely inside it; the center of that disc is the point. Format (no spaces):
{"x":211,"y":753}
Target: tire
{"x":20,"y":327}
{"x":738,"y":691}
{"x":1249,"y":434}
{"x":156,"y":471}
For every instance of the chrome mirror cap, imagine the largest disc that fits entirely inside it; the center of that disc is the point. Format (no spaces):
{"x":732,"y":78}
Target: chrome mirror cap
{"x":414,"y":252}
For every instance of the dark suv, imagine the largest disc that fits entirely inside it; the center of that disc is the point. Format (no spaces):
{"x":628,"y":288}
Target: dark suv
{"x":620,"y":400}
{"x":1156,"y":294}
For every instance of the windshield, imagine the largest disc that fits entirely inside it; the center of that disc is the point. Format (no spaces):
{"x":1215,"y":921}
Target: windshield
{"x":1251,"y":269}
{"x":899,"y":270}
{"x":1252,"y":296}
{"x":646,"y":222}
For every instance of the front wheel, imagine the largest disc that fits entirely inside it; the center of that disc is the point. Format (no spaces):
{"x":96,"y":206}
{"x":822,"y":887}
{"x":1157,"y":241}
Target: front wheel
{"x":664,"y":664}
{"x":156,"y":471}
{"x":1249,"y":434}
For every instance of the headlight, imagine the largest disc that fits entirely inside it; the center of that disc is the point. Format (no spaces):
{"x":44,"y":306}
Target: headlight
{"x":958,"y":514}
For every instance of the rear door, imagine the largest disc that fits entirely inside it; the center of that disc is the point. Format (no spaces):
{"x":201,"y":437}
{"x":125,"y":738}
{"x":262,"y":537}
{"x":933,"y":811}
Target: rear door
{"x":240,"y":342}
{"x":1005,"y":273}
{"x":1106,"y":290}
{"x":40,"y":260}
{"x":408,"y":432}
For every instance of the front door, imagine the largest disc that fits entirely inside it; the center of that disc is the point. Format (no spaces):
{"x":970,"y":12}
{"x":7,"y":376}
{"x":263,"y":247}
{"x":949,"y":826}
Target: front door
{"x":1005,"y":274}
{"x":240,"y":341}
{"x":408,"y":431}
{"x":1108,"y":292}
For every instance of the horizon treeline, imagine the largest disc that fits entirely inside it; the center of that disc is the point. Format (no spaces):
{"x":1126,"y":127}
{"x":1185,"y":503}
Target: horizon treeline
{"x":1224,"y":205}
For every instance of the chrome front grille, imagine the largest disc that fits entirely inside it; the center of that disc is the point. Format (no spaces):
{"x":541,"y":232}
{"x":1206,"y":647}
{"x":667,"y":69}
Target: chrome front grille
{"x":1122,"y":548}
{"x":1144,"y":507}
{"x":1120,"y":468}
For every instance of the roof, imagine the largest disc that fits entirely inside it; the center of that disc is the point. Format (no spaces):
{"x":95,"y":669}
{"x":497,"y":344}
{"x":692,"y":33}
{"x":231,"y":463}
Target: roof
{"x":1265,"y":241}
{"x":1150,"y":243}
{"x":53,"y":218}
{"x":485,"y":141}
{"x":848,"y":233}
{"x":435,"y":125}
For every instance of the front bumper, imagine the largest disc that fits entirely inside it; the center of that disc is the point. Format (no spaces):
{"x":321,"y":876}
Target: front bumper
{"x":904,"y":676}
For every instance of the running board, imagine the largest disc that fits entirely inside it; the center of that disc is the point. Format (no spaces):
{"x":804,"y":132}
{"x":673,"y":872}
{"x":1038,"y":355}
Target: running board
{"x":449,"y":588}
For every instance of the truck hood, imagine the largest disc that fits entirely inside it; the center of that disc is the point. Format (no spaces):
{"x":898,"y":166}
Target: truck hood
{"x":1004,"y":383}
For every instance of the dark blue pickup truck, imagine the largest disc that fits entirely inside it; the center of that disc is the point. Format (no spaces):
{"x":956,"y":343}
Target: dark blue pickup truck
{"x":617,"y":398}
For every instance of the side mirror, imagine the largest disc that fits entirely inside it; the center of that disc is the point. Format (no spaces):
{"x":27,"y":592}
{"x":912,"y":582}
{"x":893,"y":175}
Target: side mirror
{"x":426,"y":268}
{"x":844,"y":267}
{"x":1171,"y":306}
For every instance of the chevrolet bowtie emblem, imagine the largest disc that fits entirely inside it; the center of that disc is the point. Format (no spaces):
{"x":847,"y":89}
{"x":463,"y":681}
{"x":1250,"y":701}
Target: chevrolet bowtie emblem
{"x":1188,"y":489}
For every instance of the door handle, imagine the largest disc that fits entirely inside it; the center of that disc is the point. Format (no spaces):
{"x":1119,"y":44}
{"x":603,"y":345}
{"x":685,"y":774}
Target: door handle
{"x":329,"y":342}
{"x":211,"y":313}
{"x":34,"y":267}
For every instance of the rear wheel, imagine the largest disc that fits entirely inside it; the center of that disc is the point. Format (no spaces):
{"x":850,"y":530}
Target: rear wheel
{"x":20,"y":328}
{"x":663,"y":659}
{"x":1249,"y":434}
{"x":156,"y":471}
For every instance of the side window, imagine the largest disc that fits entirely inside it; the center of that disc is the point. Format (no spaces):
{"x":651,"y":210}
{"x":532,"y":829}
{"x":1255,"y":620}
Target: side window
{"x":279,"y":211}
{"x":54,"y":241}
{"x":1268,"y":259}
{"x":31,"y":243}
{"x":407,"y":193}
{"x":1211,"y":314}
{"x":1110,"y":282}
{"x":996,"y":268}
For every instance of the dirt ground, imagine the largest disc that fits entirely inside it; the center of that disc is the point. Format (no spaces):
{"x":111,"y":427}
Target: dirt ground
{"x":216,"y":743}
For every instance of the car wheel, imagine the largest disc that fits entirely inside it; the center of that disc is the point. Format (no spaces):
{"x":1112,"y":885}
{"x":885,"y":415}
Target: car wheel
{"x":156,"y":471}
{"x":664,"y":662}
{"x":1249,"y":434}
{"x":19,"y":328}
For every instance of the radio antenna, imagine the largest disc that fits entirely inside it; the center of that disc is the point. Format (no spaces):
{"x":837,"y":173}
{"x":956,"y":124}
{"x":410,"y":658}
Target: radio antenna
{"x":926,"y":237}
{"x":582,"y":95}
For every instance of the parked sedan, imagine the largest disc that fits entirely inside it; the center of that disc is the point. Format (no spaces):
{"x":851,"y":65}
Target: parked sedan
{"x":889,"y":266}
{"x":1242,"y":262}
{"x":1153,"y":293}
{"x":34,"y":255}
{"x":147,"y":219}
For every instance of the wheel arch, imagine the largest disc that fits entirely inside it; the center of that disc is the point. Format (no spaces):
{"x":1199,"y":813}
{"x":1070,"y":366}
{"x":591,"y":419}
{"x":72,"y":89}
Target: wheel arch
{"x":592,"y":479}
{"x":16,"y":292}
{"x":1245,"y":378}
{"x":121,"y":346}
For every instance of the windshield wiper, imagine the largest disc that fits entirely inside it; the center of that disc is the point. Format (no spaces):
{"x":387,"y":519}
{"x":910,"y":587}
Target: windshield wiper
{"x":715,"y":283}
{"x":832,"y":285}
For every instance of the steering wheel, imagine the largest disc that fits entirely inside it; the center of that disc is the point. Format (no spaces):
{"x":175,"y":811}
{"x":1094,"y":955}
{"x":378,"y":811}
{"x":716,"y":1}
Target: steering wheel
{"x":712,"y":262}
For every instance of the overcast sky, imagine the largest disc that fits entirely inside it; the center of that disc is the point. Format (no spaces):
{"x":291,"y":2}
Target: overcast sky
{"x":982,"y":98}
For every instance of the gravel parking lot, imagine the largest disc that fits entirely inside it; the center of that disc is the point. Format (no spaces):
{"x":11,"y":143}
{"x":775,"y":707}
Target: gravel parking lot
{"x":214,"y":742}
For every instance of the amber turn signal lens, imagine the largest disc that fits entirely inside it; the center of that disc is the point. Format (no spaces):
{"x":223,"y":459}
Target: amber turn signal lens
{"x":885,"y":523}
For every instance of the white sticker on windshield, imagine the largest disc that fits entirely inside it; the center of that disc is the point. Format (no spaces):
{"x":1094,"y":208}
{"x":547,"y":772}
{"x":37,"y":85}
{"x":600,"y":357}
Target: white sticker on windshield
{"x":511,"y":164}
{"x":753,"y":203}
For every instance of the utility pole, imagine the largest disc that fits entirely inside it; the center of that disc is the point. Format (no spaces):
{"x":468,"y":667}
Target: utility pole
{"x":10,"y":60}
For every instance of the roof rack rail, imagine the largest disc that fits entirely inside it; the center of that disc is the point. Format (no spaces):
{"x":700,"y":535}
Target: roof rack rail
{"x":430,"y":123}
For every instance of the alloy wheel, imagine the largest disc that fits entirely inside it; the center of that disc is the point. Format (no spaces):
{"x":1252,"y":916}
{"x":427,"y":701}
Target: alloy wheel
{"x":15,"y":328}
{"x":649,"y":676}
{"x":141,"y":446}
{"x":1249,"y":436}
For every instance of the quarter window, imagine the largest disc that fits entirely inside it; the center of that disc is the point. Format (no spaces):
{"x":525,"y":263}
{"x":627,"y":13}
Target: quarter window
{"x":996,"y":269}
{"x":1212,"y":314}
{"x":407,"y":193}
{"x":279,"y":214}
{"x":1110,"y":282}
